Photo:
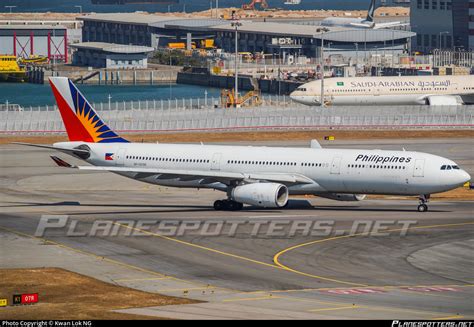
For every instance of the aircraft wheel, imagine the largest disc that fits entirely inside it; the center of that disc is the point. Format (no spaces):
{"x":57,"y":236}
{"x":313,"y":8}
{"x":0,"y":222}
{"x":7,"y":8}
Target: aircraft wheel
{"x":219,"y":205}
{"x":234,"y":206}
{"x":422,"y":208}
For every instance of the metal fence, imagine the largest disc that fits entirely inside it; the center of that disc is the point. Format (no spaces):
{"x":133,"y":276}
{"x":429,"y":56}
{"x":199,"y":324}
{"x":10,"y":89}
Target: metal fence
{"x":186,"y":116}
{"x":206,"y":102}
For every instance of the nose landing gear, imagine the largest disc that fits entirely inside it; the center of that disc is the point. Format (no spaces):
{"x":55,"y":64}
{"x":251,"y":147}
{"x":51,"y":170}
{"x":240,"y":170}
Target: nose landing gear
{"x":228,"y":205}
{"x":422,"y":207}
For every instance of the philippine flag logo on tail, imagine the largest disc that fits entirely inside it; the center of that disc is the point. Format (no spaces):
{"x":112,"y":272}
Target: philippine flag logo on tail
{"x":109,"y":156}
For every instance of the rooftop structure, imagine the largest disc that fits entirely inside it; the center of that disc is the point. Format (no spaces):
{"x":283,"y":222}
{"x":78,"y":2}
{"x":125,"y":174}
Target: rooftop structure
{"x":109,"y":55}
{"x":50,"y":41}
{"x":157,"y":31}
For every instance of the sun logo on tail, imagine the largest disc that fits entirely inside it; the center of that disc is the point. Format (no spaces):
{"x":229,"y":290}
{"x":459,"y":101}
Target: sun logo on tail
{"x":97,"y":129}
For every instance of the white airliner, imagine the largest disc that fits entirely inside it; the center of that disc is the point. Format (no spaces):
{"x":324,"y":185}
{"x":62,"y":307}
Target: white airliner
{"x":257,"y":176}
{"x":368,"y":22}
{"x":389,"y":90}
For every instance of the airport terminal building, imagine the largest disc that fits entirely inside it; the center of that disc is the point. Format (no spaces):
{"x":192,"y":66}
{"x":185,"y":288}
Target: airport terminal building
{"x":282,"y":38}
{"x":442,"y":24}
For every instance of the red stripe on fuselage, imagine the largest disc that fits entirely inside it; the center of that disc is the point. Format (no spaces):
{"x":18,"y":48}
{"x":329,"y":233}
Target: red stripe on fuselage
{"x":74,"y":128}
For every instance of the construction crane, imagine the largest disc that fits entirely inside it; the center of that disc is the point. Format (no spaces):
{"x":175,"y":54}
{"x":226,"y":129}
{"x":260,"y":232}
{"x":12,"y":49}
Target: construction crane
{"x":252,"y":5}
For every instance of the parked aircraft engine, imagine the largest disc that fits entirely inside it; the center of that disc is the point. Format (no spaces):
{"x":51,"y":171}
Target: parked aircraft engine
{"x":343,"y":197}
{"x":267,"y":195}
{"x":444,"y":100}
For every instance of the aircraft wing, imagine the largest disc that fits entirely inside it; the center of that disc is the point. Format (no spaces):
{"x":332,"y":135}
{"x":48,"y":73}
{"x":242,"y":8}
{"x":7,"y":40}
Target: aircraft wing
{"x":362,"y":25}
{"x":377,"y":26}
{"x":391,"y":24}
{"x":221,"y":176}
{"x":68,"y":151}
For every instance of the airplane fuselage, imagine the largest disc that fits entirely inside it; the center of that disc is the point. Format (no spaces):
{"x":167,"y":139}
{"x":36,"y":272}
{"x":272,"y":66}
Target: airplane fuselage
{"x":332,"y":170}
{"x":389,"y":90}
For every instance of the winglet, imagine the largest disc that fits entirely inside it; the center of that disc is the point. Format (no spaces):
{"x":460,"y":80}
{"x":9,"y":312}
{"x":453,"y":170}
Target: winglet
{"x":61,"y":163}
{"x":315,"y":144}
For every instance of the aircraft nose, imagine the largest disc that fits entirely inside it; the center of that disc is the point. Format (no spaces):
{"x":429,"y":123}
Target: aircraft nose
{"x":460,"y":178}
{"x":465,"y":176}
{"x":294,"y":96}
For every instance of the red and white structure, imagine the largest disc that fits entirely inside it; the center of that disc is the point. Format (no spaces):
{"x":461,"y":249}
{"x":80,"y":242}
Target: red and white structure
{"x":27,"y":40}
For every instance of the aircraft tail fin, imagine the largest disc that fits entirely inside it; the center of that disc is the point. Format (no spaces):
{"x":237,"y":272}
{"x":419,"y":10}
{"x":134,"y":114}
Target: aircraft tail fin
{"x":371,"y":12}
{"x":81,"y":121}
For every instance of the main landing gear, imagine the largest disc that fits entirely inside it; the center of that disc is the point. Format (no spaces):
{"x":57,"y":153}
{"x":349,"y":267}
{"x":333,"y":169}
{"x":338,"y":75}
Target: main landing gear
{"x":227,"y":205}
{"x":422,"y":207}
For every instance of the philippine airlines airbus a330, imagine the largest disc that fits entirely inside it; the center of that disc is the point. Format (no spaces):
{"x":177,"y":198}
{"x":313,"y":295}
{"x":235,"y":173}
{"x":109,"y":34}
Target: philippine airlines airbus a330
{"x":257,"y":176}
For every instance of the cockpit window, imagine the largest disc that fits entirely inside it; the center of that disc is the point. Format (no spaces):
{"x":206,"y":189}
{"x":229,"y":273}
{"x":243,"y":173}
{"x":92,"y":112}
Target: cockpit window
{"x":302,"y":89}
{"x":449,"y":167}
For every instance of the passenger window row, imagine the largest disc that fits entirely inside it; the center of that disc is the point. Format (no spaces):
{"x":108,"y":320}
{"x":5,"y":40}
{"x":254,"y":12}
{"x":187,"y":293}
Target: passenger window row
{"x":260,"y":163}
{"x":308,"y":164}
{"x":376,"y":166}
{"x":168,"y":159}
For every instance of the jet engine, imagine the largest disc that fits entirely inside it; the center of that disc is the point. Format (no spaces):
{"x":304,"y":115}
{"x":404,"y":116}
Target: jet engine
{"x":343,"y":197}
{"x":266,"y":195}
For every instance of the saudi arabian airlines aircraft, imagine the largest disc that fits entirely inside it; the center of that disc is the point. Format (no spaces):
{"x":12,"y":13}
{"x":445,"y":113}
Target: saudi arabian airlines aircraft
{"x":389,"y":90}
{"x":368,"y":22}
{"x":257,"y":176}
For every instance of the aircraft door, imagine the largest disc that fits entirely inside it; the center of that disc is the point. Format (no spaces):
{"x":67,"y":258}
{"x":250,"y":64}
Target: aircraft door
{"x":419,"y":170}
{"x":120,"y":158}
{"x":216,"y":161}
{"x":336,"y":166}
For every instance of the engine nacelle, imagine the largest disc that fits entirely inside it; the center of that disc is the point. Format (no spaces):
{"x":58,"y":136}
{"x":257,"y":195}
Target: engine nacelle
{"x":266,"y":195}
{"x":444,"y":100}
{"x":343,"y":197}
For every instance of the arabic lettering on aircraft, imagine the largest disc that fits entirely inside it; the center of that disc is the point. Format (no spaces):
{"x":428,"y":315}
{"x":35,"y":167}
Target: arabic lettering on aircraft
{"x":434,"y":83}
{"x":422,"y":84}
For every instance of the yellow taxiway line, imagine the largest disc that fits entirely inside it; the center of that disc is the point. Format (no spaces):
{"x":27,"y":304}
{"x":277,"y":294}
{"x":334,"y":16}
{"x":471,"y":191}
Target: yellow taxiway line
{"x":277,"y":257}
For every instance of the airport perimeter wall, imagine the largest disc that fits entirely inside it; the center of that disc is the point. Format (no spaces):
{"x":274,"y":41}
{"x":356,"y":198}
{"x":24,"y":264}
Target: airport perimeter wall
{"x":275,"y":114}
{"x":246,"y":83}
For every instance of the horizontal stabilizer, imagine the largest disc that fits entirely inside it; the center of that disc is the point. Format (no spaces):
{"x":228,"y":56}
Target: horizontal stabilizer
{"x":61,"y":163}
{"x":50,"y":147}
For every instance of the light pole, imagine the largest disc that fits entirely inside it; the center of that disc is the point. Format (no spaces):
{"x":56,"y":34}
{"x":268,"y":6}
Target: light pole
{"x":329,"y":52}
{"x":10,"y":7}
{"x":80,"y":8}
{"x":322,"y":69}
{"x":217,"y":9}
{"x":236,"y":74}
{"x":171,"y":74}
{"x":55,"y":52}
{"x":279,"y":72}
{"x":357,"y":54}
{"x":322,"y":31}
